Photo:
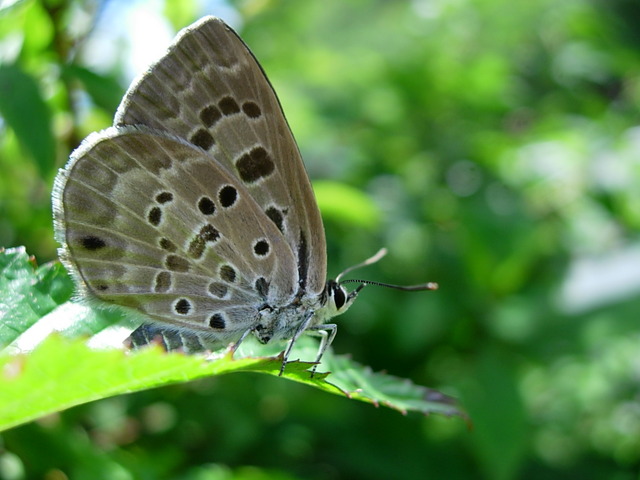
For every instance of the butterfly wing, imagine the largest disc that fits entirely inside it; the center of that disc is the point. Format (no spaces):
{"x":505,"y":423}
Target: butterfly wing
{"x":211,"y":91}
{"x":151,"y":222}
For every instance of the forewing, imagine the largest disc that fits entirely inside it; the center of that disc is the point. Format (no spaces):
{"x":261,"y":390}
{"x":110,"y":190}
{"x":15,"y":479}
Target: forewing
{"x":210,"y":90}
{"x":150,"y":222}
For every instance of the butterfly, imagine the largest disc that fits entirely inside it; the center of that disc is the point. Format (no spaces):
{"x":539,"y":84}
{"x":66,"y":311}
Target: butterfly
{"x":195,"y":208}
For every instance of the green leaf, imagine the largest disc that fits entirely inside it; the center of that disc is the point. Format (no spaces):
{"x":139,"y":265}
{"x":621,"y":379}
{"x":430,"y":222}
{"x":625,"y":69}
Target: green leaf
{"x":180,"y":12}
{"x":346,"y":204}
{"x":105,"y":91}
{"x":502,"y":432}
{"x":362,"y":383}
{"x":27,"y":293}
{"x":61,"y":372}
{"x":25,"y":111}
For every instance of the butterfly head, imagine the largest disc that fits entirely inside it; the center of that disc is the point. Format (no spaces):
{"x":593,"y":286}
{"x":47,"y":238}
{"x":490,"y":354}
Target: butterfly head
{"x":338,"y":300}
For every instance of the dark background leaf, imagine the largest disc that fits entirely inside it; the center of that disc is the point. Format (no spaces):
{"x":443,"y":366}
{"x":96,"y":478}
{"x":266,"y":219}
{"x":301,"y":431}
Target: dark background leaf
{"x":105,"y":91}
{"x":24,"y":110}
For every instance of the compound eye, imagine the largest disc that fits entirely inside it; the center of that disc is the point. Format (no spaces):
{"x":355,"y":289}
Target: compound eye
{"x":339,"y":296}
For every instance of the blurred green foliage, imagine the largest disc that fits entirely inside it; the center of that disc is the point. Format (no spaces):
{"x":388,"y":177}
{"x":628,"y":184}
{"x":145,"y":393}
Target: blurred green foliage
{"x":497,"y":144}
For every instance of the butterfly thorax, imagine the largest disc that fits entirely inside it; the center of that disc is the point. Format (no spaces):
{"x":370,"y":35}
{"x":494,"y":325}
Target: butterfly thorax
{"x":310,"y":312}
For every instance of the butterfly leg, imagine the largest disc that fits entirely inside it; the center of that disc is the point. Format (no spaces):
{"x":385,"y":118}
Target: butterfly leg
{"x":327,"y":333}
{"x":235,"y":346}
{"x":301,"y":329}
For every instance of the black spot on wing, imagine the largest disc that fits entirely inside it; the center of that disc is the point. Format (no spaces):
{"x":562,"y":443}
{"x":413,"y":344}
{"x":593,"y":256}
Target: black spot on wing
{"x":262,"y":287}
{"x":218,"y":289}
{"x":261,"y":248}
{"x":227,"y":196}
{"x":303,"y":262}
{"x":203,"y":139}
{"x":164,"y":197}
{"x":182,"y":306}
{"x":217,"y":321}
{"x":251,"y":109}
{"x":163,"y":282}
{"x":176,"y":263}
{"x":155,"y":216}
{"x":254,"y":165}
{"x":92,"y":242}
{"x":206,"y":206}
{"x":228,"y":106}
{"x":167,"y":245}
{"x":276,"y":217}
{"x":210,"y":115}
{"x":208,"y":234}
{"x":228,"y":273}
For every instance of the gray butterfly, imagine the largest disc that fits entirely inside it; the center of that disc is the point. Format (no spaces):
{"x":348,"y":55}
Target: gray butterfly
{"x":195,"y":208}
